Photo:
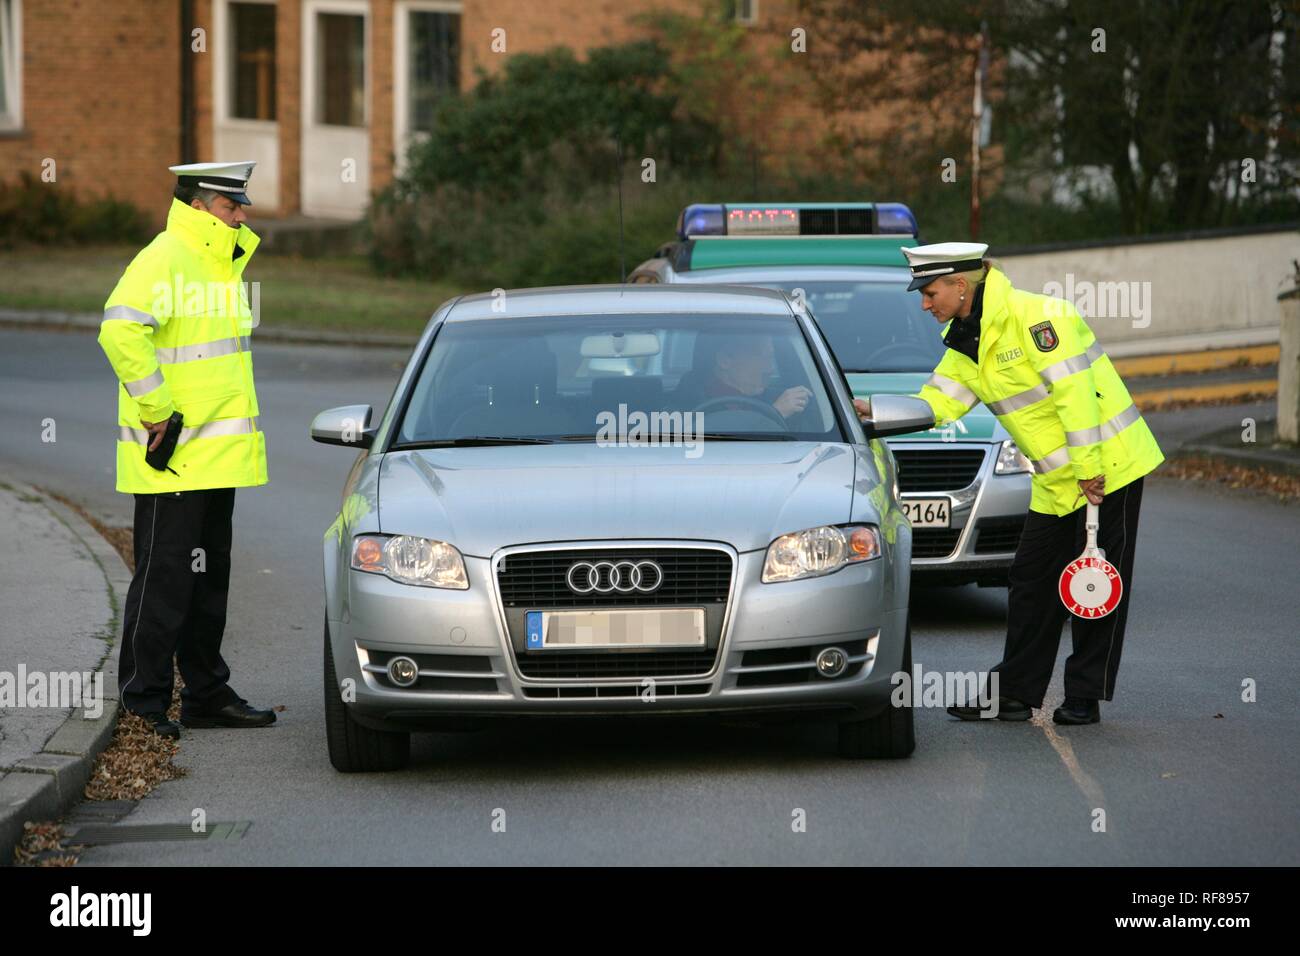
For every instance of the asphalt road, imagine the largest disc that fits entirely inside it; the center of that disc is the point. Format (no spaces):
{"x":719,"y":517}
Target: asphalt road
{"x":1186,"y":772}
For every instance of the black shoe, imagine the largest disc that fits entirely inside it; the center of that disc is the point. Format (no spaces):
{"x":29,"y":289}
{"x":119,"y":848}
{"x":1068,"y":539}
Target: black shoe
{"x":1008,"y":709}
{"x":236,"y":714}
{"x":1078,"y":710}
{"x":160,"y":724}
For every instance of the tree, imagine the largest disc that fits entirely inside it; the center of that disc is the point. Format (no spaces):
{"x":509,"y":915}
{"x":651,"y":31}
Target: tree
{"x":1164,"y":97}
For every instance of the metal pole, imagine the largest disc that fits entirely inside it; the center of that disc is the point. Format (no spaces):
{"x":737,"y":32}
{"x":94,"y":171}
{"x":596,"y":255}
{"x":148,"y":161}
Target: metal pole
{"x":977,"y":128}
{"x":622,"y":262}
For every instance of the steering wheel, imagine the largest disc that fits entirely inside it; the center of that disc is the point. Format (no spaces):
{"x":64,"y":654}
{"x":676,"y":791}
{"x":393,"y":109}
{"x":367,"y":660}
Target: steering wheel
{"x":906,"y":348}
{"x":758,"y":405}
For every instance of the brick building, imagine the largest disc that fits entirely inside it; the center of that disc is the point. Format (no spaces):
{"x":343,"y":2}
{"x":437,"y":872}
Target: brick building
{"x":324,"y":94}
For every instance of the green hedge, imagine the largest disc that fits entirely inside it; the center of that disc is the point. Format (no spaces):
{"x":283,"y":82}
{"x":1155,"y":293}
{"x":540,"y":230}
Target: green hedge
{"x":43,"y":213}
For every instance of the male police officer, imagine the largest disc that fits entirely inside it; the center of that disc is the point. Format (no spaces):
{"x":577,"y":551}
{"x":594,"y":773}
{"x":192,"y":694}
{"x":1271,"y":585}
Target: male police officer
{"x":1038,"y":367}
{"x":176,"y":332}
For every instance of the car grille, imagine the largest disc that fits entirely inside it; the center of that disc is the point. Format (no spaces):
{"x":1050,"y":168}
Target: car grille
{"x":934,"y":542}
{"x":937,"y":469}
{"x":692,"y":576}
{"x":998,"y":535}
{"x":537,"y":580}
{"x":599,"y":692}
{"x":566,"y":664}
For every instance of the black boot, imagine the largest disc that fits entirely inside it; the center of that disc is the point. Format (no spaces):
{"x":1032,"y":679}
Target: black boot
{"x":1078,"y":710}
{"x":161,"y":725}
{"x":237,"y":714}
{"x":1008,"y":709}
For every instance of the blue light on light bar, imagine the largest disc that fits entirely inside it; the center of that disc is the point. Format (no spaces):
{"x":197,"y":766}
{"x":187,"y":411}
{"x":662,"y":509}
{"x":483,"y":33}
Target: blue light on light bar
{"x":700,"y":219}
{"x":895,"y":218}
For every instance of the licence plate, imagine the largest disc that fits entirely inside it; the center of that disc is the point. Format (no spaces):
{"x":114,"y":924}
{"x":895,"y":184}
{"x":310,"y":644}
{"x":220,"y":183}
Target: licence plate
{"x":630,"y":627}
{"x":927,"y":512}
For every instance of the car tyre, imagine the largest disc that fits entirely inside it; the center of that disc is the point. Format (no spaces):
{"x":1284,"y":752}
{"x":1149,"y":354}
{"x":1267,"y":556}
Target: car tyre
{"x":354,"y":748}
{"x":887,"y":734}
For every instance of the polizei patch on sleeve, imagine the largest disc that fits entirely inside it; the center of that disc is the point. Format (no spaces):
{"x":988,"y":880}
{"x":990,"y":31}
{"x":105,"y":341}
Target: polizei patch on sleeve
{"x":1044,"y":336}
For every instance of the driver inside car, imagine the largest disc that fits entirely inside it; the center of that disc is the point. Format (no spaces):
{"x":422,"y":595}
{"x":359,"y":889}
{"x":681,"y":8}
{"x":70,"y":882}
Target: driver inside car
{"x":741,"y":367}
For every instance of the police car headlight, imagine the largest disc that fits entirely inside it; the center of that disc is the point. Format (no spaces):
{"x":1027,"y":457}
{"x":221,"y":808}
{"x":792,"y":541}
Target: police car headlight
{"x":1011,"y":460}
{"x":817,"y":551}
{"x":410,"y":560}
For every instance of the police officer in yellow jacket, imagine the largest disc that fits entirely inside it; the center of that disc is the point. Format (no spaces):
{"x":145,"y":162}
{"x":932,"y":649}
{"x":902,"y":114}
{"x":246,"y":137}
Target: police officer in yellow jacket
{"x":176,"y":331}
{"x":1037,"y":366}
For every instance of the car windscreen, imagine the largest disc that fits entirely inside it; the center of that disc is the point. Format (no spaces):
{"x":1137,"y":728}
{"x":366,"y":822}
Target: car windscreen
{"x":872,"y":326}
{"x":588,"y":377}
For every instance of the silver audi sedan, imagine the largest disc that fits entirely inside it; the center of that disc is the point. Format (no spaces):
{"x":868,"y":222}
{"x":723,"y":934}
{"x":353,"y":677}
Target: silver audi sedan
{"x":608,"y":500}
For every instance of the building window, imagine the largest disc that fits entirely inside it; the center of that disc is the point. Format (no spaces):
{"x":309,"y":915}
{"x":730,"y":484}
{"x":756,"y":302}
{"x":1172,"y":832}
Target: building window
{"x":341,"y":69}
{"x":433,"y":59}
{"x":252,"y":61}
{"x":11,"y":64}
{"x":746,"y":11}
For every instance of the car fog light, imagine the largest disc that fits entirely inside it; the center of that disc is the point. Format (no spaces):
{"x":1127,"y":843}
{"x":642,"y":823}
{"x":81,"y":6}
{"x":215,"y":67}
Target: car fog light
{"x":403,"y":671}
{"x":832,"y":661}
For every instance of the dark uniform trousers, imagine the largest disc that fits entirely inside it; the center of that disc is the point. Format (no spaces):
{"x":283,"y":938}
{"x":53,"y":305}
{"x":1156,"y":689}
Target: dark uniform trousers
{"x":1036,"y":615}
{"x":177,"y":605}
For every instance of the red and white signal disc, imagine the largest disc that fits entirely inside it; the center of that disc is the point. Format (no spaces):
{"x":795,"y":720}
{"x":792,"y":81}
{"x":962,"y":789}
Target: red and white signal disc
{"x":1090,"y":587}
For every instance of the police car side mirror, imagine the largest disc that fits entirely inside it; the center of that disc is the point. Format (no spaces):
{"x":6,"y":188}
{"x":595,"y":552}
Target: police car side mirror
{"x":347,"y":425}
{"x":897,"y":415}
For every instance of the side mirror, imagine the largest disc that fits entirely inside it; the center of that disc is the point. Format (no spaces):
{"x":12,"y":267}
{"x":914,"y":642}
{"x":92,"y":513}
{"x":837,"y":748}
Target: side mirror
{"x":897,"y":415}
{"x":347,"y":425}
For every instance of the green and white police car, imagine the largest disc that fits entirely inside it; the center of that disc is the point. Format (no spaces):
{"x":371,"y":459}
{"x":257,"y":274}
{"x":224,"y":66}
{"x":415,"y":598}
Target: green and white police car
{"x":965,"y":487}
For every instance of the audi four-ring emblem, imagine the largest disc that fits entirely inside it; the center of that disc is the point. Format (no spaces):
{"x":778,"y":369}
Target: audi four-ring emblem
{"x":604,"y":577}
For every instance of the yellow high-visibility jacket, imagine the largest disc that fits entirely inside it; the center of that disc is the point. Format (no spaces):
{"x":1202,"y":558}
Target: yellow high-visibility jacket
{"x":176,"y":330}
{"x":1043,"y":374}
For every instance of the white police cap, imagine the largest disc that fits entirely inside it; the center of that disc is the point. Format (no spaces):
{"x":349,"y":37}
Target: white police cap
{"x":228,"y":178}
{"x":943,"y":258}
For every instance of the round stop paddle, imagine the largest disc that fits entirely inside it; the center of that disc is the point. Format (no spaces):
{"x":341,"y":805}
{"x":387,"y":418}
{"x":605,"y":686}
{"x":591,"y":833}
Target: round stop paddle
{"x":1090,"y":585}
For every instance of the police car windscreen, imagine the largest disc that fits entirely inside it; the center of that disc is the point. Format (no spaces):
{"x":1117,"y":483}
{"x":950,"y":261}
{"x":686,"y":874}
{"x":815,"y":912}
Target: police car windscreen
{"x":873,"y":326}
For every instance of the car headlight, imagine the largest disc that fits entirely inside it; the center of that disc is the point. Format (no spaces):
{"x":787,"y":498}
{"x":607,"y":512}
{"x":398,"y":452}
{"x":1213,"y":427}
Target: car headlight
{"x":817,"y":551}
{"x":1011,"y":460}
{"x":410,"y":560}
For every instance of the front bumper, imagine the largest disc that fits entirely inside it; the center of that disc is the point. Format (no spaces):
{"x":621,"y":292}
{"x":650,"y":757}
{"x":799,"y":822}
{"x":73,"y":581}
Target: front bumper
{"x":987,"y":516}
{"x":769,"y":635}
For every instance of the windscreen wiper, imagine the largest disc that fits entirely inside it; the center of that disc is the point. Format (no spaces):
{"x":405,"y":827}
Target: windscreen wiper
{"x":471,"y":441}
{"x":717,"y":436}
{"x":735,"y":436}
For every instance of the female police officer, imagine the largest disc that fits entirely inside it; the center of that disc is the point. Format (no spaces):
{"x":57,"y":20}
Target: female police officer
{"x":1038,"y":367}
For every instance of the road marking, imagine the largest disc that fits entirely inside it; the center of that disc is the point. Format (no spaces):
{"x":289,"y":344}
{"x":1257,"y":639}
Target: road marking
{"x":1065,"y":750}
{"x":1202,"y":361}
{"x":1260,"y":388}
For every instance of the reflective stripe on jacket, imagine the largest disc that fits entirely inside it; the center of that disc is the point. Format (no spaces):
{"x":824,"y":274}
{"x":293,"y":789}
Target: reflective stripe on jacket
{"x":176,"y":331}
{"x":1043,"y":374}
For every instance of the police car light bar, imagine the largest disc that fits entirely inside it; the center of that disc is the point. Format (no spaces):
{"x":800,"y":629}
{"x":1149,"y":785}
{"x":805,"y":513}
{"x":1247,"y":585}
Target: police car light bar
{"x":796,"y":219}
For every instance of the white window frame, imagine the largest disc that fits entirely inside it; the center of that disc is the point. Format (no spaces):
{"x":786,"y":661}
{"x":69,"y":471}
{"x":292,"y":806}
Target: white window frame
{"x":750,"y":20}
{"x":221,"y":66}
{"x":310,"y":40}
{"x":402,"y":10}
{"x":11,"y":61}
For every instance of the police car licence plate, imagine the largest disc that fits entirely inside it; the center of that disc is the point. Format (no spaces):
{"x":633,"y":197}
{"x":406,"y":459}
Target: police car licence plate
{"x":928,"y":512}
{"x":625,"y":627}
